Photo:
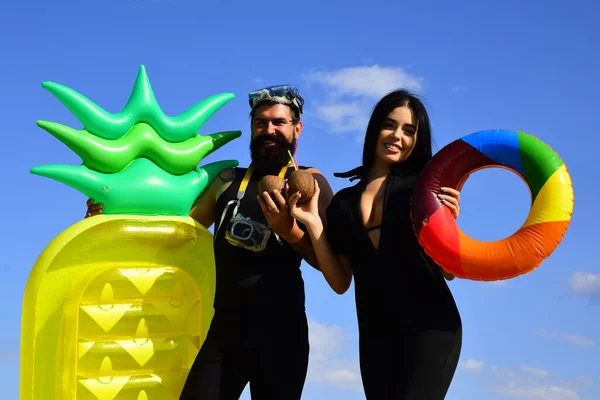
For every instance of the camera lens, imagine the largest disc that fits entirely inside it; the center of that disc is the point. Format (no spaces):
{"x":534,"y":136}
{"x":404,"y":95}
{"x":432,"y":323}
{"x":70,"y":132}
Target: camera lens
{"x":242,"y":230}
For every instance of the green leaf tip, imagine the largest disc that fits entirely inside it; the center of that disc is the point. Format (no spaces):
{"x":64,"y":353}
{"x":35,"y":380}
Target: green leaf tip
{"x":141,"y":107}
{"x":141,"y":141}
{"x":142,"y":188}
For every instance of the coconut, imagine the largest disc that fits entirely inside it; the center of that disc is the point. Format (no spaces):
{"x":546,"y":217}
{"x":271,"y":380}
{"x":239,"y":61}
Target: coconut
{"x":301,"y":181}
{"x":268,"y":183}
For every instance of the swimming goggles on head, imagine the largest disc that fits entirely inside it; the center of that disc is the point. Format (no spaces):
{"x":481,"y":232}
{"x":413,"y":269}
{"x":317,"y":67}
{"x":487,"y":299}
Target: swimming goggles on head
{"x":282,"y":94}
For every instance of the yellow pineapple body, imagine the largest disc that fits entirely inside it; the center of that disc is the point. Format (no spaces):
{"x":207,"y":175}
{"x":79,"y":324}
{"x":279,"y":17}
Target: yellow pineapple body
{"x":116,"y":308}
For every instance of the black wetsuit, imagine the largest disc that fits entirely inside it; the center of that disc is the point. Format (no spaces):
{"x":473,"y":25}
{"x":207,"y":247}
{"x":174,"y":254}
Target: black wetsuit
{"x":409,"y":326}
{"x":259,"y":333}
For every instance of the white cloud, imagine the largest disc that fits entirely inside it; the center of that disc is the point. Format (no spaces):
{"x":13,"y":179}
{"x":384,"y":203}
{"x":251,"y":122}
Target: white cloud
{"x":534,"y":371}
{"x":585,"y":283}
{"x":343,"y":117}
{"x":326,"y":339}
{"x":340,"y":373}
{"x":351,"y":93}
{"x":342,"y":376}
{"x":325,"y":364}
{"x":502,"y":283}
{"x":471,"y":365}
{"x":535,"y":392}
{"x":527,"y":382}
{"x":574,"y":338}
{"x":369,"y":81}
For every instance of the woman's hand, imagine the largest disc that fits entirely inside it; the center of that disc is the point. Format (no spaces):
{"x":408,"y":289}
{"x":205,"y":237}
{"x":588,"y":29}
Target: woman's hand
{"x":307,"y":214}
{"x":451,"y":200}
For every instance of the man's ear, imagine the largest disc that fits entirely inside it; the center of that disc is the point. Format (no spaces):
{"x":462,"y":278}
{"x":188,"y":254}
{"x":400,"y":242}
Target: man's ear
{"x":298,"y":129}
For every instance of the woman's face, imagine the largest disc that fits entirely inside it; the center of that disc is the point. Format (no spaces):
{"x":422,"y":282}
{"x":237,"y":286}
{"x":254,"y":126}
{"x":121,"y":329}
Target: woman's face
{"x":397,"y":136}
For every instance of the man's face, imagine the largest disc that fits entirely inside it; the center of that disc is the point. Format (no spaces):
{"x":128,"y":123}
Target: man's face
{"x":273,"y":134}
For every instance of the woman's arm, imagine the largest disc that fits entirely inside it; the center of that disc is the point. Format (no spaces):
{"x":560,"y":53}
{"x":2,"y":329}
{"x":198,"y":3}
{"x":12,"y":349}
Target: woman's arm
{"x":335,"y":268}
{"x":452,"y":201}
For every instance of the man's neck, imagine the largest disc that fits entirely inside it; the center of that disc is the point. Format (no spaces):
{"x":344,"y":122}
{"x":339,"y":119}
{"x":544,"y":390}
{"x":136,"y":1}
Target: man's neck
{"x":262,"y":170}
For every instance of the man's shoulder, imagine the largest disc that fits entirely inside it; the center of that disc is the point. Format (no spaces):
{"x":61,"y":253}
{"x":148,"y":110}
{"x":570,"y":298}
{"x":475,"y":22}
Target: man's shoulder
{"x":229,"y":174}
{"x":225,"y":179}
{"x":310,"y":169}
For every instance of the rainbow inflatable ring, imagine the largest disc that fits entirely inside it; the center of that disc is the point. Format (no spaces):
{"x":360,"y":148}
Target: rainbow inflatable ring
{"x":549,"y":217}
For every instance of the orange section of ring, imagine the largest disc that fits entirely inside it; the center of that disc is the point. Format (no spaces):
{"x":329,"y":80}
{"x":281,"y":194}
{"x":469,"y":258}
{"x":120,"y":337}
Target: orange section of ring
{"x":512,"y":256}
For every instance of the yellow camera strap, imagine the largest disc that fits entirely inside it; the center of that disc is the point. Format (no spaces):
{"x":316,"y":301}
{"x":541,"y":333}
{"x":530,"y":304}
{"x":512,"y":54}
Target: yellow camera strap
{"x":242,"y":191}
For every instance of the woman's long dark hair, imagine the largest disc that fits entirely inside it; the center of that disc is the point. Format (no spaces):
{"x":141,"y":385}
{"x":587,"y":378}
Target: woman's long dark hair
{"x":422,"y":151}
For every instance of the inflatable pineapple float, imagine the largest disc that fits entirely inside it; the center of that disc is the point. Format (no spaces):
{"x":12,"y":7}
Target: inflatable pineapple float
{"x":118,"y":305}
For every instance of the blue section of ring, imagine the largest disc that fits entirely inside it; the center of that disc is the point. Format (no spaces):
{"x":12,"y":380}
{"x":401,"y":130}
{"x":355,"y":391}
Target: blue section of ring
{"x":501,"y":145}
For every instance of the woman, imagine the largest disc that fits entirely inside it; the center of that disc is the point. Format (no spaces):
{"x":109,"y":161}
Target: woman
{"x":409,"y":326}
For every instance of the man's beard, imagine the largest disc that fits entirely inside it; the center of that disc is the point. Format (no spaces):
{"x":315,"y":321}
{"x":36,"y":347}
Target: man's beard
{"x":269,"y":157}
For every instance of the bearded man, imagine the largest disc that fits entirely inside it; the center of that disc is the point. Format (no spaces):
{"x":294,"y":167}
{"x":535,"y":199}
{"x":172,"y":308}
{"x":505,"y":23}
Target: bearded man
{"x":259,"y":333}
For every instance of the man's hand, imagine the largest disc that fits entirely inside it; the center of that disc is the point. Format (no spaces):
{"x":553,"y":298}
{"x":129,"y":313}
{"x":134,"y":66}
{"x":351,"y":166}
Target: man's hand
{"x":93,"y":209}
{"x":278,"y":216}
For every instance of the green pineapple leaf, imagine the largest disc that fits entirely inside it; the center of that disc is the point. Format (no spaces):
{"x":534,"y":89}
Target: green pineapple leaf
{"x":141,"y":107}
{"x":142,"y":188}
{"x":111,"y":156}
{"x":138,"y":161}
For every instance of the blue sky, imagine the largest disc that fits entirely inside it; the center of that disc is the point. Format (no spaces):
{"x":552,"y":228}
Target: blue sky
{"x":519,"y":65}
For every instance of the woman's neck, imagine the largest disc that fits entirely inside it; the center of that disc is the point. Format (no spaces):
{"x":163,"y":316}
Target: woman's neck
{"x":379,"y":171}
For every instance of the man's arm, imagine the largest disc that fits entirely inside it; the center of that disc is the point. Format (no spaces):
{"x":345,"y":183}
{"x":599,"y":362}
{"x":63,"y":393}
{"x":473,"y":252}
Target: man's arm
{"x":299,"y":239}
{"x":203,"y":209}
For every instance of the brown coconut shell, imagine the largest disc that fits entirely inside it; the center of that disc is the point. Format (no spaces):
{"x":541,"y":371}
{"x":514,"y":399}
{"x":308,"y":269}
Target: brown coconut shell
{"x":301,"y":181}
{"x":268,"y":183}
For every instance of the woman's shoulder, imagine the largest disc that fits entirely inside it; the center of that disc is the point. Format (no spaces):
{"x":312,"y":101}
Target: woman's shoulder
{"x":345,"y":198}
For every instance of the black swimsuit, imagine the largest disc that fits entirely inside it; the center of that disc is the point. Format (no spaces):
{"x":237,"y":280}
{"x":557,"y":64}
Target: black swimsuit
{"x":409,"y":325}
{"x":259,"y":333}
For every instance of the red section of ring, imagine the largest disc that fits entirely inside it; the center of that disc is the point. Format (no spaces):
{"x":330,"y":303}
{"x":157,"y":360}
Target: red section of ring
{"x":446,"y":169}
{"x":441,"y":234}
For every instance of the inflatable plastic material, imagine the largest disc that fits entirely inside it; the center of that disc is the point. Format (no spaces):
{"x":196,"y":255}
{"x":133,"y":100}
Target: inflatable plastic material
{"x":551,"y":197}
{"x":141,"y":107}
{"x":109,"y":156}
{"x":141,"y":188}
{"x":118,"y":305}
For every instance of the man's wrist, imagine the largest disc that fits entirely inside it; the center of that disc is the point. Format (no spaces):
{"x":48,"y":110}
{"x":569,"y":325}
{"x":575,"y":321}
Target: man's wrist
{"x":294,"y":235}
